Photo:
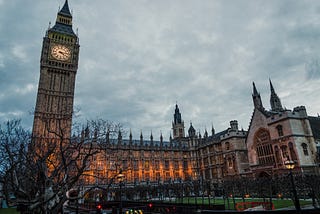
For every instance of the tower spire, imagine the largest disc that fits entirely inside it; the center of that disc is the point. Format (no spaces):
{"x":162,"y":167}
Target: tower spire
{"x":274,"y":99}
{"x":177,"y":115}
{"x":212,"y":130}
{"x":256,"y":98}
{"x":177,"y":124}
{"x":64,"y":21}
{"x":65,"y":9}
{"x":191,"y":131}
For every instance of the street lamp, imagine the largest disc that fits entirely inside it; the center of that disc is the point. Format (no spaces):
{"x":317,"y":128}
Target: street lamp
{"x":290,"y":166}
{"x":120,"y":178}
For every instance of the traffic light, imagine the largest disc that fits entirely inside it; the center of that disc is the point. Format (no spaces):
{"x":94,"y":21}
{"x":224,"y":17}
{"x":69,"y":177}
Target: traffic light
{"x":98,"y":208}
{"x":150,"y":205}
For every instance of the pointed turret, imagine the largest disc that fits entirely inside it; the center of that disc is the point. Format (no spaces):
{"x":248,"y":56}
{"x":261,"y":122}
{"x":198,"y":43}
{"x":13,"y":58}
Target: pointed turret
{"x":256,"y":98}
{"x":64,"y":21}
{"x":274,"y":100}
{"x":191,"y":131}
{"x":205,"y":133}
{"x":87,"y":132}
{"x":212,"y":130}
{"x":161,"y":139}
{"x":141,"y":139}
{"x":151,"y":139}
{"x":130,"y":137}
{"x":108,"y":136}
{"x":65,"y":10}
{"x":119,"y":137}
{"x":177,"y":115}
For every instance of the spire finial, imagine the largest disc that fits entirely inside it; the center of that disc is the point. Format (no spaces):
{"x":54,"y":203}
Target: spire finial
{"x":271,"y":86}
{"x":274,"y":100}
{"x":256,"y":97}
{"x":212,"y":130}
{"x":65,"y":9}
{"x":255,"y":92}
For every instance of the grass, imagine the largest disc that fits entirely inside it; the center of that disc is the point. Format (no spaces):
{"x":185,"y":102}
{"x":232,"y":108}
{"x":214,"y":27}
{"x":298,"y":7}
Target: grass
{"x":9,"y":211}
{"x":278,"y":203}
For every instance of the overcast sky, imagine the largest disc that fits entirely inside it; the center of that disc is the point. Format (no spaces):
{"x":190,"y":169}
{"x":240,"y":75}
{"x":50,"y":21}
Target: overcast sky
{"x":138,"y":58}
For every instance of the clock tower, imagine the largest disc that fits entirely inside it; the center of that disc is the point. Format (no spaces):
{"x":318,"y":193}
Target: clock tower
{"x":58,"y":69}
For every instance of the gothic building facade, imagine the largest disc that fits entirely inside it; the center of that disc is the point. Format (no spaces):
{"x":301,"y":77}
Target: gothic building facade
{"x":279,"y":135}
{"x":273,"y":137}
{"x":182,"y":158}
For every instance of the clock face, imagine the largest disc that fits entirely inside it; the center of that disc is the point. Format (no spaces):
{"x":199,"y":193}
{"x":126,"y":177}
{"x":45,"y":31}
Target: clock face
{"x":60,"y":52}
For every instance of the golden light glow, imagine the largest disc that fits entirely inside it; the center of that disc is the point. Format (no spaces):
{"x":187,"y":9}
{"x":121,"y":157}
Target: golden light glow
{"x":289,"y":164}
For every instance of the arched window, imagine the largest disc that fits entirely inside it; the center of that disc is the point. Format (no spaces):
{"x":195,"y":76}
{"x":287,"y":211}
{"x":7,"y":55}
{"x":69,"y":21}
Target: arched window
{"x":280,"y":130}
{"x":227,"y":145}
{"x":284,"y":151}
{"x":180,"y":132}
{"x":292,"y":152}
{"x":264,"y":148}
{"x":230,"y":163}
{"x":277,"y":153}
{"x":146,"y":165}
{"x":305,"y":149}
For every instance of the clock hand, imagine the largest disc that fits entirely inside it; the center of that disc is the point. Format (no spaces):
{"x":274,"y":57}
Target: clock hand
{"x":63,"y":53}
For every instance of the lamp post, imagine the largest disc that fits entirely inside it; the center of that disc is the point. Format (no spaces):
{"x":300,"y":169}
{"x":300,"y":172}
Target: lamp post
{"x":290,"y":166}
{"x":120,"y":178}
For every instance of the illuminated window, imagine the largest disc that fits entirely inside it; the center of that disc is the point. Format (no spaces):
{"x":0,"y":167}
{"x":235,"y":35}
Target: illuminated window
{"x":146,"y":165}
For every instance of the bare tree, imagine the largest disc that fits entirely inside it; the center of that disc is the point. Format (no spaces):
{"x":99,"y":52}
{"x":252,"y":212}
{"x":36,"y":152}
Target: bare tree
{"x":13,"y":145}
{"x":40,"y":171}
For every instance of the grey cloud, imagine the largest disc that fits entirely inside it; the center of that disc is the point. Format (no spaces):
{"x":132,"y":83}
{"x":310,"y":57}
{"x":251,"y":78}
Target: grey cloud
{"x":138,"y":58}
